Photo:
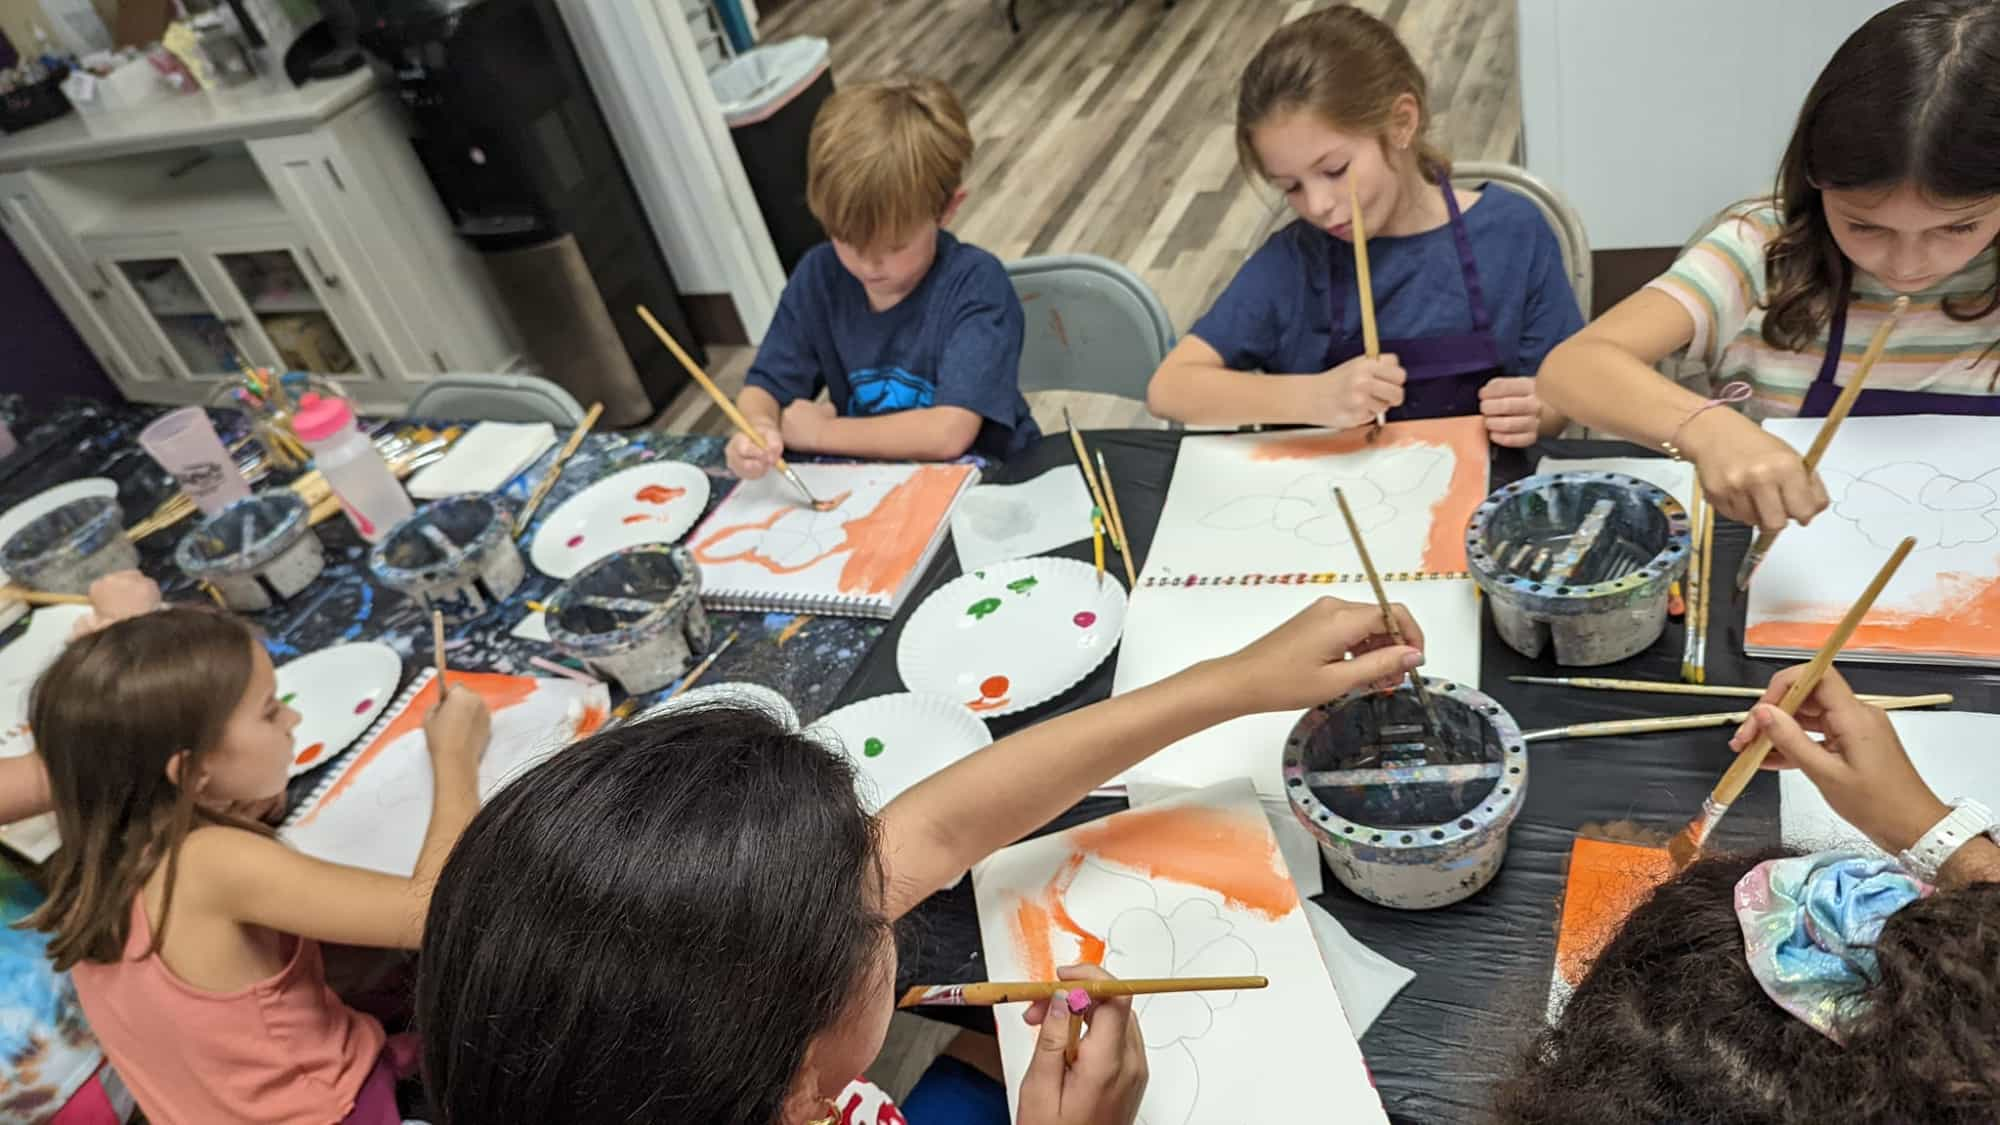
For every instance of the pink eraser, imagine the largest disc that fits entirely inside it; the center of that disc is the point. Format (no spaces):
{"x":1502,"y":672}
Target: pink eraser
{"x":1079,"y":1001}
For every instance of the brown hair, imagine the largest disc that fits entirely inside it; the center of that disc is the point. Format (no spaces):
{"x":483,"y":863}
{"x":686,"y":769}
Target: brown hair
{"x":108,"y":715}
{"x":1344,"y":65}
{"x":1912,"y":96}
{"x":884,"y":157}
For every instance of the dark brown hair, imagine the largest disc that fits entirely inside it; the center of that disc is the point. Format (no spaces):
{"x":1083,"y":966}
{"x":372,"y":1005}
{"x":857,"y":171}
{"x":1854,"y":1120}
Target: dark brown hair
{"x":1911,"y":97}
{"x":1670,"y":1026}
{"x":1344,"y":65}
{"x":108,"y":715}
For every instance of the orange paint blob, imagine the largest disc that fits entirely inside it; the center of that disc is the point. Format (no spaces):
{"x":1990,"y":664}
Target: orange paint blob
{"x":1202,"y":847}
{"x":1444,"y":552}
{"x":658,"y":494}
{"x":1607,"y":881}
{"x":310,"y":754}
{"x":642,"y":518}
{"x":1962,"y":619}
{"x":992,"y":694}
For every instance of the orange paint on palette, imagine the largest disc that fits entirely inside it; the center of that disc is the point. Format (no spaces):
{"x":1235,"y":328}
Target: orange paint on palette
{"x":310,"y":754}
{"x":1965,"y":622}
{"x":1202,"y":847}
{"x":658,"y":494}
{"x":992,"y":694}
{"x":640,"y":518}
{"x":1444,"y":552}
{"x":1607,"y":881}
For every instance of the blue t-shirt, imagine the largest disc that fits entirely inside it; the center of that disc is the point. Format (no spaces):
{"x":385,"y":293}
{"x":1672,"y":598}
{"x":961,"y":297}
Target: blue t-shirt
{"x":954,"y":341}
{"x":1275,"y":315}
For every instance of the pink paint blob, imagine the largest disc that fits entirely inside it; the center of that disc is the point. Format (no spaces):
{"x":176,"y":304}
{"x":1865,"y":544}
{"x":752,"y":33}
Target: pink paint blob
{"x":362,"y":707}
{"x":1085,"y":619}
{"x":574,"y":542}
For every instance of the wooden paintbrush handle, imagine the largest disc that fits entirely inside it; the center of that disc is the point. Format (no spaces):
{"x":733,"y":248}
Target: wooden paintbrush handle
{"x":702,"y":380}
{"x":988,"y":993}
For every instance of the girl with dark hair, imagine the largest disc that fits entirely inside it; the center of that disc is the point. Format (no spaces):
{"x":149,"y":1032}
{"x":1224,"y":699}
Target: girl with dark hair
{"x":190,"y":932}
{"x":689,"y":919}
{"x":1469,"y":285}
{"x":1780,"y":989}
{"x":1890,"y":187}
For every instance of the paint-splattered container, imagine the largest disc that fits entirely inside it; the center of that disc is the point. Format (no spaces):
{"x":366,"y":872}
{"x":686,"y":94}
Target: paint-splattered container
{"x":635,"y":616}
{"x":256,"y":552}
{"x":64,"y":551}
{"x":1583,"y":559}
{"x":456,"y":555}
{"x":1404,"y":822}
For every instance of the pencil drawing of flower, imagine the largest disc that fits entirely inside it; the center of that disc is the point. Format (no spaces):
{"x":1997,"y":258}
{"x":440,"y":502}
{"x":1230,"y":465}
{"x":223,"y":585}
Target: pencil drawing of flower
{"x":1307,"y":507}
{"x":1914,"y":498}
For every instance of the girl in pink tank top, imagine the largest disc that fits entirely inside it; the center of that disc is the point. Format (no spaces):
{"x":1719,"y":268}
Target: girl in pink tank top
{"x":191,"y":932}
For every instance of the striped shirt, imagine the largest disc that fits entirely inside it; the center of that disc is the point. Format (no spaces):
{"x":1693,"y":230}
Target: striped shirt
{"x":1720,"y":281}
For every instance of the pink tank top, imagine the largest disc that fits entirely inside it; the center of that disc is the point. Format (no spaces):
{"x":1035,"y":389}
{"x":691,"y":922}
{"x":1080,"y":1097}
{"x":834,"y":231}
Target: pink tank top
{"x":285,"y":1050}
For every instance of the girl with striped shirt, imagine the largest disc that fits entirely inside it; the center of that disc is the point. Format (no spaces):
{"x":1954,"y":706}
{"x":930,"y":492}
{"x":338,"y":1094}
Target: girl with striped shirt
{"x":1890,"y":187}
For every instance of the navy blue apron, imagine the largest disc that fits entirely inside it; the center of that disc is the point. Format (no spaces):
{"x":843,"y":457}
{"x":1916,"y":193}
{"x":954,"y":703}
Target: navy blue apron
{"x":1876,"y":401}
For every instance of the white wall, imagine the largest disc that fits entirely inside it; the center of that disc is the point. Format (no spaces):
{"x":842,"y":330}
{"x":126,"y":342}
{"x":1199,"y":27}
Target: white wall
{"x":1650,"y":116}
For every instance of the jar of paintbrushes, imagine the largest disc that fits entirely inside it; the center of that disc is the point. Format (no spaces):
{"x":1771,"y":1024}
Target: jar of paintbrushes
{"x":266,"y":402}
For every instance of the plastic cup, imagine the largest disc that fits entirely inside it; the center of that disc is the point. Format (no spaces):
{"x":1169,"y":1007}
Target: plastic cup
{"x":185,"y":444}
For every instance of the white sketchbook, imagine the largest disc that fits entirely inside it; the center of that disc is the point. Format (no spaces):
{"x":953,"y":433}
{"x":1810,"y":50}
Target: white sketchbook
{"x":1168,"y":629}
{"x":1933,"y":477}
{"x":373,"y":808}
{"x":1191,"y":887}
{"x":1956,"y":752}
{"x":765,"y":550}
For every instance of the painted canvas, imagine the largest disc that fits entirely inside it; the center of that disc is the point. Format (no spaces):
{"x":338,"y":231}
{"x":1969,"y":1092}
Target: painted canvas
{"x":1607,"y":880}
{"x":373,"y":808}
{"x":764,"y":550}
{"x":1935,"y":478}
{"x":1957,"y":753}
{"x":1191,"y":887}
{"x":1168,"y":629}
{"x":1264,"y":503}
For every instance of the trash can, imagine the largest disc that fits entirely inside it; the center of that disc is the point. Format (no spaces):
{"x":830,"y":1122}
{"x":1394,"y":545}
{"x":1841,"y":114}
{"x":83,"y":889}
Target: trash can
{"x":769,"y":97}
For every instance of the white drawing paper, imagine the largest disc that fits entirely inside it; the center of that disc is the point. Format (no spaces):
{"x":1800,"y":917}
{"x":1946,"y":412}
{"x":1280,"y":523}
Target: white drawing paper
{"x":1931,"y":477}
{"x":1676,"y":477}
{"x":1365,"y":979}
{"x":1264,"y":503}
{"x":374,"y":809}
{"x":1168,"y":629}
{"x":1957,"y":753}
{"x":1117,"y":891}
{"x":1297,"y":845}
{"x":996,"y":523}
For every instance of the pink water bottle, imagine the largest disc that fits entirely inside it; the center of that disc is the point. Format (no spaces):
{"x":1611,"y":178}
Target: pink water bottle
{"x":369,"y":493}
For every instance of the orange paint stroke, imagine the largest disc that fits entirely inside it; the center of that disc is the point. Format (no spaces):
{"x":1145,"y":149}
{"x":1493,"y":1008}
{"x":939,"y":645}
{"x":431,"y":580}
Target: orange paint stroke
{"x":1607,"y":881}
{"x":642,"y":518}
{"x":1228,"y":851}
{"x":792,"y":630}
{"x":499,"y":691}
{"x":988,"y":704}
{"x":593,"y":717}
{"x":659,"y":494}
{"x":1031,"y":936}
{"x":1444,"y":552}
{"x":1960,"y":618}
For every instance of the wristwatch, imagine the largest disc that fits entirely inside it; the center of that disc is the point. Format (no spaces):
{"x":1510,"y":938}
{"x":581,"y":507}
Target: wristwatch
{"x":1967,"y":819}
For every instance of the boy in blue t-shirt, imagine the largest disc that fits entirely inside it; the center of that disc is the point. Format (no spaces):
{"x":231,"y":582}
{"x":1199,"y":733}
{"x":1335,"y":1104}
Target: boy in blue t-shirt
{"x":915,"y":336}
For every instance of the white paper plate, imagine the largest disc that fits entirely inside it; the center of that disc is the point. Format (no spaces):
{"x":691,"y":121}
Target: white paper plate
{"x":27,"y":511}
{"x":898,"y":740}
{"x":1012,"y":636}
{"x":733,"y":694}
{"x":22,"y":661}
{"x":338,"y":692}
{"x":652,"y":503}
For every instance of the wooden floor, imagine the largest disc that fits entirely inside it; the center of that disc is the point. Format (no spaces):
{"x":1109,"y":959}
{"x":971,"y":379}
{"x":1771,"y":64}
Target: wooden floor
{"x":1108,"y":128}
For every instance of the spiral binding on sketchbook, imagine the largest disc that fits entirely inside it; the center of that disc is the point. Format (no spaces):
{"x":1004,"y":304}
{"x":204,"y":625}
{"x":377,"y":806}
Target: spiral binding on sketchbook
{"x":1323,"y":578}
{"x":819,"y":605}
{"x":338,"y":767}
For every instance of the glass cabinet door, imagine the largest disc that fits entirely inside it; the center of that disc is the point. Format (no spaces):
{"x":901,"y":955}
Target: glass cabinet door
{"x":192,"y":326}
{"x":280,"y":295}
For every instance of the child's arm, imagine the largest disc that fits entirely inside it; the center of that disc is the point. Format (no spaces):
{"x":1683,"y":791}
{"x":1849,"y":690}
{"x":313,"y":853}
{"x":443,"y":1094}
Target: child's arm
{"x":932,"y":433}
{"x":937,"y":829}
{"x":24,"y":788}
{"x":1194,"y":386}
{"x":260,"y":881}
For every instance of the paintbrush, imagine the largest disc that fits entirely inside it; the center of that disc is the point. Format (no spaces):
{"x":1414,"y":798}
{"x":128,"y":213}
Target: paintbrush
{"x":1097,"y":545}
{"x":1690,"y":616}
{"x":39,"y":597}
{"x":1821,"y":440}
{"x":1389,"y":618}
{"x":437,"y":644}
{"x":555,"y":469}
{"x":1686,"y":846}
{"x":729,"y":411}
{"x":1364,"y":288}
{"x":988,"y":993}
{"x":1090,"y":479}
{"x":1706,"y":596}
{"x":688,"y":680}
{"x":1117,"y":522}
{"x":1710,"y":719}
{"x":1658,"y":687}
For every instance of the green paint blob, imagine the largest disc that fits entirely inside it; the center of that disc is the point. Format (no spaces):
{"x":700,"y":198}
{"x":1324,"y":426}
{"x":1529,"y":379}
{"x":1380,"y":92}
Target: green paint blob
{"x":1023,"y":585}
{"x":872,"y":748}
{"x":979,"y":609}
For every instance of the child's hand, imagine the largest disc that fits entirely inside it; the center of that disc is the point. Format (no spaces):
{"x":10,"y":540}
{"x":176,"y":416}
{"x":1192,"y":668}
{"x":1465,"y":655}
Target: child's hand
{"x":749,"y":462}
{"x":1861,"y":769}
{"x":1749,"y":475}
{"x":1304,"y":662}
{"x":1356,"y":391}
{"x":458,"y":728}
{"x":805,"y":420}
{"x":1108,"y":1080}
{"x":1512,"y":410}
{"x":115,"y":597}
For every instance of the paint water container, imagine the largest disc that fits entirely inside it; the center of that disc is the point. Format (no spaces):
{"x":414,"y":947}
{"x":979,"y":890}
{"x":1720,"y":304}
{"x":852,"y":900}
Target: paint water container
{"x":454,"y":555}
{"x":369,"y":492}
{"x":635,"y":616}
{"x":1583,"y":560}
{"x":65,"y":550}
{"x":1403,"y":820}
{"x":256,"y":552}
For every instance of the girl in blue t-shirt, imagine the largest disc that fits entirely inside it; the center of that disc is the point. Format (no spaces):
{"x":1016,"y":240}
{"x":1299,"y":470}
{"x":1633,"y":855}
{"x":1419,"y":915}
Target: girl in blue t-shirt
{"x":1470,"y":287}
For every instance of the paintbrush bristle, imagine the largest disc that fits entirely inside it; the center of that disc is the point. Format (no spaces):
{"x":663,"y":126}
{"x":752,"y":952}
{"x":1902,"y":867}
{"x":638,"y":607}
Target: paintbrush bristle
{"x":1684,"y":848}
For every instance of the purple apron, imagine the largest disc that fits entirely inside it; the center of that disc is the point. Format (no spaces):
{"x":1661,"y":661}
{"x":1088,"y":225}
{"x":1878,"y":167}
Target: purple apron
{"x":1442,"y":374}
{"x":1873,"y":401}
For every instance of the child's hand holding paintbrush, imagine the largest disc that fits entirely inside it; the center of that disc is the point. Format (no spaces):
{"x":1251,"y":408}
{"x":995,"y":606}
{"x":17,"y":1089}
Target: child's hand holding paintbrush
{"x":1098,"y":1080}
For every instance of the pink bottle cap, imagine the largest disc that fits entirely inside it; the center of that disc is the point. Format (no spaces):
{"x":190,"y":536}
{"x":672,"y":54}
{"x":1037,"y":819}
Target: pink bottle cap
{"x":319,"y":417}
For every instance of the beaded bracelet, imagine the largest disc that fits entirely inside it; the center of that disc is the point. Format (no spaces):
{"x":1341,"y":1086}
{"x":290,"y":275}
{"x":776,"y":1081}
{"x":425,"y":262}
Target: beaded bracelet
{"x":1733,"y":393}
